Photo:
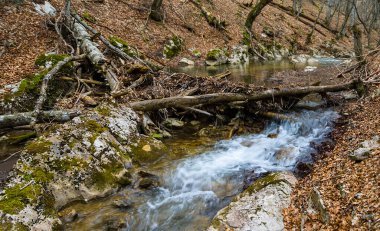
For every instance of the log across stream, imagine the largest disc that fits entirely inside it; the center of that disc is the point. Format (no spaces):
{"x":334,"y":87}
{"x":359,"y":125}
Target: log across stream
{"x":194,"y":187}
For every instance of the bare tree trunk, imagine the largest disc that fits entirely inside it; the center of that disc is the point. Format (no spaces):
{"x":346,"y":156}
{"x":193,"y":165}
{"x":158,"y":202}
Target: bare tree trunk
{"x":255,"y":12}
{"x":156,"y":11}
{"x":358,"y":46}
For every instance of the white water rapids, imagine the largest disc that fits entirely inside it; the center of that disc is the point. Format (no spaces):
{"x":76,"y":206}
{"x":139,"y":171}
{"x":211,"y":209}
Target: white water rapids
{"x":194,"y":190}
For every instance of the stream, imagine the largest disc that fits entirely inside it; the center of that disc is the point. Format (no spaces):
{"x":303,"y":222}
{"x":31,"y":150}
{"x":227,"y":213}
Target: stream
{"x":194,"y":187}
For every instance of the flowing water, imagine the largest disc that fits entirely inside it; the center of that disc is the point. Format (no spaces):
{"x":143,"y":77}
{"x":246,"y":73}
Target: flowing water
{"x":195,"y":188}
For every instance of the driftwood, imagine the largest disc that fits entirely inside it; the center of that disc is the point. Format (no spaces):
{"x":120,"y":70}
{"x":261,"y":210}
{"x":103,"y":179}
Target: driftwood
{"x":21,"y":119}
{"x":188,"y":101}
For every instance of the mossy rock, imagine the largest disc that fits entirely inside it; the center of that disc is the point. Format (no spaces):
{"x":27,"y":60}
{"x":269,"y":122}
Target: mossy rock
{"x":107,"y":176}
{"x":173,"y":47}
{"x":38,"y":146}
{"x":272,"y":178}
{"x":124,"y":46}
{"x":31,"y":84}
{"x":17,"y":197}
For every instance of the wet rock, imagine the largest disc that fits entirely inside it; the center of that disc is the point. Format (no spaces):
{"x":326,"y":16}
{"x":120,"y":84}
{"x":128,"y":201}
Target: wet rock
{"x":186,"y":62}
{"x":312,"y":61}
{"x":173,"y":123}
{"x":216,"y":57}
{"x":364,"y":151}
{"x":146,"y":174}
{"x":302,"y":169}
{"x":309,"y":69}
{"x":259,"y":207}
{"x":284,"y":153}
{"x":122,"y":203}
{"x":147,"y":183}
{"x":299,"y":59}
{"x":272,"y":135}
{"x":247,"y":143}
{"x":115,"y":223}
{"x":68,"y":215}
{"x":318,"y":204}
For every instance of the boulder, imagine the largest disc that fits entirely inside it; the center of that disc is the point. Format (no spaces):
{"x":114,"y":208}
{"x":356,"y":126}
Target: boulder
{"x":173,"y":123}
{"x":216,"y":57}
{"x":186,"y":62}
{"x":364,"y":151}
{"x":239,"y":54}
{"x":284,"y":153}
{"x":259,"y":207}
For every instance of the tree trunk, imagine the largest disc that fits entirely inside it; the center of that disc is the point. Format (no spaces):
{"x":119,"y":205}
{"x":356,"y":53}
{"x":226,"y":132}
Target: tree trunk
{"x":255,"y":12}
{"x":156,"y":12}
{"x":188,"y":101}
{"x":358,"y":46}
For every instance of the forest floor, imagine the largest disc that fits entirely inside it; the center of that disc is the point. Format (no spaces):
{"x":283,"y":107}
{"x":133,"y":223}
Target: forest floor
{"x":24,"y":34}
{"x":349,"y":189}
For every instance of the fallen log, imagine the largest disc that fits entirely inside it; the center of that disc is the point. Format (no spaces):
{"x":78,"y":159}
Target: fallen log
{"x":188,"y":101}
{"x":21,"y":119}
{"x":90,"y":48}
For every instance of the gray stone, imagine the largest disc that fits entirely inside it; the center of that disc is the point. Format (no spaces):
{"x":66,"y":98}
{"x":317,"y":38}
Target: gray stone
{"x":122,"y":203}
{"x":364,"y":151}
{"x":173,"y":123}
{"x":318,"y":204}
{"x":239,"y":54}
{"x":186,"y":62}
{"x":259,"y":207}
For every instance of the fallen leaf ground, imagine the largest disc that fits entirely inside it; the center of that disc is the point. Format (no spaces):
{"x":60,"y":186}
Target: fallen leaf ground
{"x":350,"y":190}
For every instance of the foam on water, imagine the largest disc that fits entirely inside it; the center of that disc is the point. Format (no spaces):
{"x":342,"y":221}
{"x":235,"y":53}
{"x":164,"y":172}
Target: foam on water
{"x":200,"y":185}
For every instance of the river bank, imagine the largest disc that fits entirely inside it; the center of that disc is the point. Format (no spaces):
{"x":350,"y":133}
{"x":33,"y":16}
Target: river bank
{"x":349,"y":188}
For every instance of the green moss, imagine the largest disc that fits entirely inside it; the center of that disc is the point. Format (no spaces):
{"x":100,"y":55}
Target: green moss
{"x":214,"y":21}
{"x":67,"y":164}
{"x":21,"y":227}
{"x":89,"y":17}
{"x":18,"y":196}
{"x":173,"y":47}
{"x":41,"y":175}
{"x":31,"y":83}
{"x":43,"y":59}
{"x":48,"y":201}
{"x":5,"y":225}
{"x":106,"y":176}
{"x":16,"y":139}
{"x":215,"y":54}
{"x":124,"y":46}
{"x":104,"y":111}
{"x":263,"y":182}
{"x":93,"y":126}
{"x":38,"y":146}
{"x":215,"y":223}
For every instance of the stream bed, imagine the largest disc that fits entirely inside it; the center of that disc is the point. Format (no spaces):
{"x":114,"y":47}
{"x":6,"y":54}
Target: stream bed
{"x":195,"y":186}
